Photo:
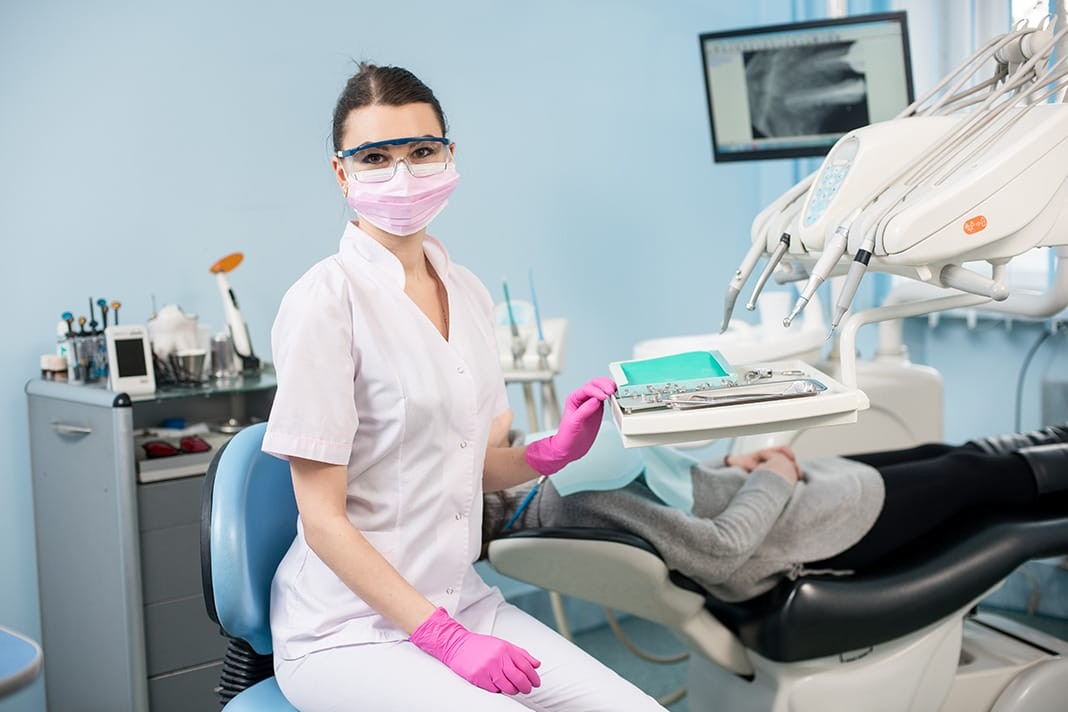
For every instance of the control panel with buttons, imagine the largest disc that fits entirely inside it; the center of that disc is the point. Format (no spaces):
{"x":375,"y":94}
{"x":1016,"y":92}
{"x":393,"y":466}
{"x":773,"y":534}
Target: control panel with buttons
{"x":834,"y":171}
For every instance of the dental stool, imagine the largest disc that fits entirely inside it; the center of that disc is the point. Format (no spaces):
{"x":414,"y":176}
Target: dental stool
{"x":906,"y":638}
{"x":248,"y":519}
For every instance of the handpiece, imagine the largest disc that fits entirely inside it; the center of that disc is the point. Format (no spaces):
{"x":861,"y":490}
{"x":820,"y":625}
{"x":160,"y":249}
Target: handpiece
{"x":741,"y":275}
{"x":773,"y":262}
{"x":832,"y":252}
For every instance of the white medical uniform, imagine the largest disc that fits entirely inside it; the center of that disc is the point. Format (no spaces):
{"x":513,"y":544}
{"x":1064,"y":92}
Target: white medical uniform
{"x":366,"y":380}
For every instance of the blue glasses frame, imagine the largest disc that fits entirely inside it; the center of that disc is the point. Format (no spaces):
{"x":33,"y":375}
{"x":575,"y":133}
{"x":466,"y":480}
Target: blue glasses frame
{"x":393,"y":142}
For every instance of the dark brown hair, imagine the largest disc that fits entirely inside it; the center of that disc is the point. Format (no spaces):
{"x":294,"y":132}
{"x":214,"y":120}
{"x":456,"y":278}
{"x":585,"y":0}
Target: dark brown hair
{"x":391,"y":86}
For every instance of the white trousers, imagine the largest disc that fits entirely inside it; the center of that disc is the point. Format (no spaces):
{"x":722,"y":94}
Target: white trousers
{"x":399,"y":677}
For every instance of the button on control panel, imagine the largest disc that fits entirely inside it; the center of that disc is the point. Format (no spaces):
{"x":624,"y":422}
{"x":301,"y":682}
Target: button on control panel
{"x":827,"y":183}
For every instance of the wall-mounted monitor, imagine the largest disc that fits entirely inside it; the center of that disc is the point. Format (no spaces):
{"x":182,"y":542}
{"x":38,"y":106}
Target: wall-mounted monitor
{"x":790,"y":91}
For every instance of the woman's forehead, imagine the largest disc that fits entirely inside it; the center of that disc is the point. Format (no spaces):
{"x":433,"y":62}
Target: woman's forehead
{"x":380,"y":122}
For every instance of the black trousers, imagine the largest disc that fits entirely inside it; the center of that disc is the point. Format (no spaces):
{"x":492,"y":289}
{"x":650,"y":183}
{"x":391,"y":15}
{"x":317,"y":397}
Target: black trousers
{"x":928,"y":485}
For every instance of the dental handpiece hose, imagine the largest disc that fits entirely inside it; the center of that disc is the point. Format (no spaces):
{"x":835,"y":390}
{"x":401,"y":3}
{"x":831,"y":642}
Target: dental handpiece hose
{"x":550,"y":406}
{"x":518,"y":349}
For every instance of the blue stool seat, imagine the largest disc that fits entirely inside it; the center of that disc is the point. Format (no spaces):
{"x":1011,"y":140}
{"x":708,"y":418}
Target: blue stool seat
{"x":264,"y":696}
{"x":20,"y":661}
{"x":248,"y":521}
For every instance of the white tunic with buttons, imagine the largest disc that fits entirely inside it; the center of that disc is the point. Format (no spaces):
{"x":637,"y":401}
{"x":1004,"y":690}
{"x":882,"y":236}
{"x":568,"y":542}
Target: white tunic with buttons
{"x":366,"y":380}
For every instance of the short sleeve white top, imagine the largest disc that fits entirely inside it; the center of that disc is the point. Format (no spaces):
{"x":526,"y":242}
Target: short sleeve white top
{"x":366,"y":380}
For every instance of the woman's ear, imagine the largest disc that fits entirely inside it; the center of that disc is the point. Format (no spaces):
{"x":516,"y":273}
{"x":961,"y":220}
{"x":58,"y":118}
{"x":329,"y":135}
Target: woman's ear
{"x":339,"y":174}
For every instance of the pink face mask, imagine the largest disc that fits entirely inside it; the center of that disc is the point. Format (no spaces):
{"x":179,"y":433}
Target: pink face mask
{"x":404,"y":204}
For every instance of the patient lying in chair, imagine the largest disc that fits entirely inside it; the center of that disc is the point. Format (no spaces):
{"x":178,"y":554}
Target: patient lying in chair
{"x":764,"y":515}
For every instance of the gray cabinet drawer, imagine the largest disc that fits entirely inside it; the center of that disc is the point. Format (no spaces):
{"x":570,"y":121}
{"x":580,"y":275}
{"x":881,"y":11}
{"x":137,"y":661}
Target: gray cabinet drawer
{"x":169,"y":504}
{"x":170,"y":563}
{"x":179,"y":634}
{"x":187,"y":691}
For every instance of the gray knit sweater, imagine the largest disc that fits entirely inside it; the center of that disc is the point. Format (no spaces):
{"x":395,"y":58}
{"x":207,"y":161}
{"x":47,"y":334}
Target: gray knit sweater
{"x":746,"y":531}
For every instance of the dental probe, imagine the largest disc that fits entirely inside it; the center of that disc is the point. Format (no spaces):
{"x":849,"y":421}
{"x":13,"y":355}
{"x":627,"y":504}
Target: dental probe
{"x":832,"y":252}
{"x":773,"y":262}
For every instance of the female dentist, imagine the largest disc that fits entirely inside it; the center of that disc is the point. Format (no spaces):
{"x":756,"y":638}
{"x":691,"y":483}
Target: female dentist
{"x":391,"y":410}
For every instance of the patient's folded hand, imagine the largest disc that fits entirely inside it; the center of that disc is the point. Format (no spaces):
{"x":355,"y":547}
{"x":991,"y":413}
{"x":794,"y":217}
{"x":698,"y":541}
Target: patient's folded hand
{"x":781,"y":465}
{"x":752,"y":460}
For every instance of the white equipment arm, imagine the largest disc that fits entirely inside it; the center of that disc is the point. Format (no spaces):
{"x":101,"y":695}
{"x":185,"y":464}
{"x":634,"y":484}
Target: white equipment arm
{"x":977,"y":169}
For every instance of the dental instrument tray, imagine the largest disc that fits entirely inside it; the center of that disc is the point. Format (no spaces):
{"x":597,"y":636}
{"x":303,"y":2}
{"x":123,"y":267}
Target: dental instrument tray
{"x":764,"y":398}
{"x":757,"y":393}
{"x":649,"y":383}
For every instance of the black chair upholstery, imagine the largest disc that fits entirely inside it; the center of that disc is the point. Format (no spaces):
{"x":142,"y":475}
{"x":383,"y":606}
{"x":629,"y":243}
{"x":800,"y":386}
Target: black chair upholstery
{"x":818,"y":616}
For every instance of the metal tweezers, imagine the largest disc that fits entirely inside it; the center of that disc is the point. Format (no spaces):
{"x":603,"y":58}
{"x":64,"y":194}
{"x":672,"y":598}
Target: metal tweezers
{"x":770,"y":391}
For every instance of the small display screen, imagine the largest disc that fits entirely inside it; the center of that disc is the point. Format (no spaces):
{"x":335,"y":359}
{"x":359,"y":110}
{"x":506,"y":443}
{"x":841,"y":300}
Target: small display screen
{"x":130,"y":355}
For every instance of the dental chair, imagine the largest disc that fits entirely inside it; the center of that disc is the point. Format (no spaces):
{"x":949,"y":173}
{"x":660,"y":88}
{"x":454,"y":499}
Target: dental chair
{"x":248,"y":520}
{"x":905,"y":638}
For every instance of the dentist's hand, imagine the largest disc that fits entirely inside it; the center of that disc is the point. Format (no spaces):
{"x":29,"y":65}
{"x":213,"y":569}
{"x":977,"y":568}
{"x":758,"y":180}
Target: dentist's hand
{"x":577,"y":431}
{"x":490,"y":663}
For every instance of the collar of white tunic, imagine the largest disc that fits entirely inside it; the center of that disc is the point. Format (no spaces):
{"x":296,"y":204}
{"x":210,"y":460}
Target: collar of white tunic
{"x":378,"y":256}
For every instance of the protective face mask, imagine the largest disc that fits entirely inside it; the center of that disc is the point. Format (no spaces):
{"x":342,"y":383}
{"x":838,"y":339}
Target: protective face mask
{"x":404,"y":204}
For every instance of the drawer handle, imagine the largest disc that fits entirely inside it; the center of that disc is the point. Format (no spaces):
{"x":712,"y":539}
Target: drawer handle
{"x":66,"y":429}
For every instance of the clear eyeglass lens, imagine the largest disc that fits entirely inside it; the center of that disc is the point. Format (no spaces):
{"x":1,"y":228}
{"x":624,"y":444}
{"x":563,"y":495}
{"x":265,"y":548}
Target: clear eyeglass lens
{"x":378,"y":164}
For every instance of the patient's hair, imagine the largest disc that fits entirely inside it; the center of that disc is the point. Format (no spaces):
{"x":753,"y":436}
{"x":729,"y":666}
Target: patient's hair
{"x":389,"y":86}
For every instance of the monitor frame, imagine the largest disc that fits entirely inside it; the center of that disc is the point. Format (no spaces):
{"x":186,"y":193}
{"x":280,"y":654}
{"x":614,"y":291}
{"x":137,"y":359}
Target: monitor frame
{"x":719,"y":156}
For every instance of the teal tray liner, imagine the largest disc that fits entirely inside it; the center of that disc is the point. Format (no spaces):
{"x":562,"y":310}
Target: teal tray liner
{"x":689,"y":366}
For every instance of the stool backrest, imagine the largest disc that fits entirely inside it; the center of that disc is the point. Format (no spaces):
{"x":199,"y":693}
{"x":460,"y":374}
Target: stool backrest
{"x":248,"y":520}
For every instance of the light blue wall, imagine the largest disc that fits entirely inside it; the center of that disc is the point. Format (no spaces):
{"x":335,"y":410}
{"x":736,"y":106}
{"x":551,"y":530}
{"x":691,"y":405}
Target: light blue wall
{"x":141,"y":141}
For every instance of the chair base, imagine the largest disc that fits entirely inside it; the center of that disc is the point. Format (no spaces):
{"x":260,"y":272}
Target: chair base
{"x":975,"y":664}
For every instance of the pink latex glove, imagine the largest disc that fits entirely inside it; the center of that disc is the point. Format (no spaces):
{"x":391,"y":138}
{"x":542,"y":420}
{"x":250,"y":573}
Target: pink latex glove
{"x":490,"y":663}
{"x":577,"y":431}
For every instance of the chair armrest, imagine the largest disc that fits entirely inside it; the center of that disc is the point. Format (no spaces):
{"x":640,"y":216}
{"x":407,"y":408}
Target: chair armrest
{"x":622,"y":572}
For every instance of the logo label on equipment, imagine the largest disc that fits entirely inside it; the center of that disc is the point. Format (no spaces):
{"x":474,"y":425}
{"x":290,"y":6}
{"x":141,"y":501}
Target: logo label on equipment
{"x":974,"y":225}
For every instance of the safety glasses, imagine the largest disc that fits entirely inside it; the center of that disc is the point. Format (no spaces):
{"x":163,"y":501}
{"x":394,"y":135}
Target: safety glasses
{"x":376,"y":162}
{"x":187,"y":445}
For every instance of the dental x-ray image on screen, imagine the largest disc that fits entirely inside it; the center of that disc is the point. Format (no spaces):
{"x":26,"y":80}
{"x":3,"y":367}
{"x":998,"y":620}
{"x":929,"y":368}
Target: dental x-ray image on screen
{"x":803,"y":91}
{"x":788,"y":91}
